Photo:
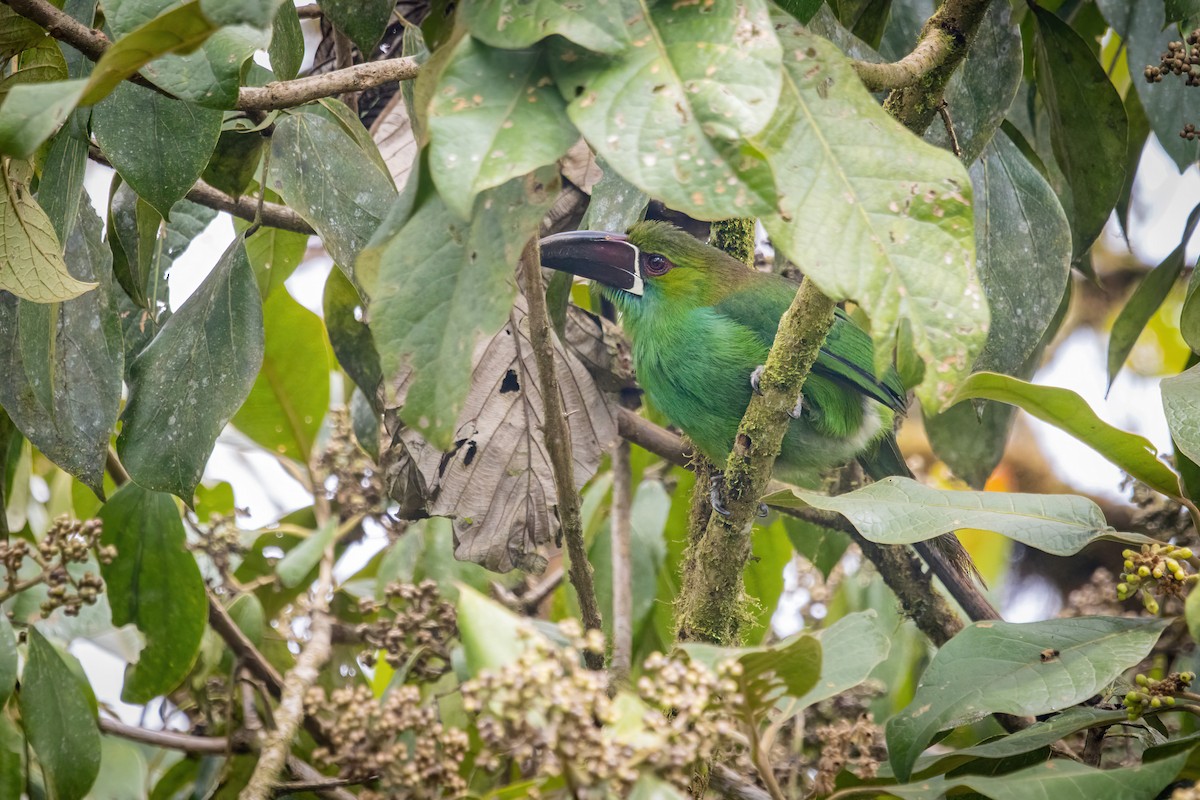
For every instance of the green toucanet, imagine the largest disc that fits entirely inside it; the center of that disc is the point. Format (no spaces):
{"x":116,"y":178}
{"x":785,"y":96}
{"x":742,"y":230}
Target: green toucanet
{"x":702,"y":323}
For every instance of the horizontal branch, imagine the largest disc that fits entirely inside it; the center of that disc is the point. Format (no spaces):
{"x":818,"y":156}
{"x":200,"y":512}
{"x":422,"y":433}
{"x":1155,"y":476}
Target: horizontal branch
{"x":173,"y":740}
{"x":930,"y":51}
{"x":283,"y":94}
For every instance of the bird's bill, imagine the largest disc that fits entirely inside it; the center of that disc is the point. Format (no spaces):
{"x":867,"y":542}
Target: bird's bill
{"x":607,"y":258}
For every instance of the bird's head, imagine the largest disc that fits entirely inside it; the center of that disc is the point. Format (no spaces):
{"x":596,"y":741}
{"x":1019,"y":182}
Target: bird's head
{"x":653,"y":268}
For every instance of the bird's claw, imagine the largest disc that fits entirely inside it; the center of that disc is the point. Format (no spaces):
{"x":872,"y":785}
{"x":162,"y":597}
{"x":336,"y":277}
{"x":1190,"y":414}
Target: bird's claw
{"x":716,"y":483}
{"x":755,"y":384}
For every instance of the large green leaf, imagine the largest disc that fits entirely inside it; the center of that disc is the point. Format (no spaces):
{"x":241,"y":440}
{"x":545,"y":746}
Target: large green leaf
{"x":494,"y":116}
{"x":256,"y":13}
{"x":350,"y":335}
{"x":17,"y":33}
{"x":790,"y":668}
{"x":902,"y":511}
{"x":491,"y":634}
{"x":1058,"y":779}
{"x":771,"y":550}
{"x":1146,"y":299}
{"x":881,"y":218}
{"x":1089,"y":148}
{"x":274,"y":254}
{"x":823,"y":547}
{"x":669,"y":114}
{"x":364,"y":21}
{"x":153,"y":583}
{"x":189,"y":381}
{"x":211,"y":75}
{"x":1169,"y":103}
{"x":444,"y":283}
{"x":61,"y":188}
{"x":1181,"y":402}
{"x":59,"y":721}
{"x":287,"y":43}
{"x":32,"y":112}
{"x":61,"y":365}
{"x":32,"y":266}
{"x":1068,"y":411}
{"x":598,"y":25}
{"x":320,"y":171}
{"x":12,"y":757}
{"x":850,"y":649}
{"x":284,"y":410}
{"x":1022,"y":669}
{"x":159,"y":146}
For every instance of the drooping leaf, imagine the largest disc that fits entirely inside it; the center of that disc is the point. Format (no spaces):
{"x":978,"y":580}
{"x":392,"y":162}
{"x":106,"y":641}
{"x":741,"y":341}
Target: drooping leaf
{"x":1189,"y":316}
{"x":61,"y":364}
{"x":443,"y":284}
{"x":771,"y":551}
{"x":885,"y":201}
{"x":494,"y":116}
{"x":287,"y":43}
{"x":59,"y":721}
{"x":234,"y":162}
{"x":491,"y":634}
{"x":1146,"y":299}
{"x":363,"y":21}
{"x":1181,"y":402}
{"x":153,"y":583}
{"x":122,"y":771}
{"x":598,"y":25}
{"x":350,"y":335}
{"x":850,"y":650}
{"x":902,"y":511}
{"x":1068,"y":411}
{"x":1089,"y":148}
{"x":822,"y":546}
{"x":496,"y":482}
{"x":209,"y":76}
{"x":31,"y":113}
{"x":12,"y":757}
{"x":1169,"y":104}
{"x":159,"y":146}
{"x":319,"y":170}
{"x":616,"y":203}
{"x":1003,"y":666}
{"x":188,"y":382}
{"x":274,"y":253}
{"x":61,"y":188}
{"x":8,"y":660}
{"x":290,"y":397}
{"x":31,"y":259}
{"x":42,"y":63}
{"x":669,"y":114}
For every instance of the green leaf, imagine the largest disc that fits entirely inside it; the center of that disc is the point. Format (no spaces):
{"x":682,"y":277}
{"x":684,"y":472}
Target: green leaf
{"x":179,"y":30}
{"x":491,"y":635}
{"x":8,"y":660}
{"x":32,"y":112}
{"x":1189,"y":316}
{"x":866,"y":19}
{"x":287,"y":43}
{"x":302,"y":558}
{"x":494,"y":116}
{"x":61,"y":364}
{"x":1003,"y":667}
{"x":256,"y":13}
{"x":651,"y":787}
{"x":1168,"y":103}
{"x":902,"y":511}
{"x":763,"y":579}
{"x":284,"y":410}
{"x":1181,"y":402}
{"x":444,"y":283}
{"x":598,"y":25}
{"x":648,"y":517}
{"x":364,"y":21}
{"x":670,"y":115}
{"x":212,"y":74}
{"x":616,"y":203}
{"x":61,"y":188}
{"x":274,"y":254}
{"x":1059,"y":778}
{"x":1068,"y":411}
{"x":17,"y":33}
{"x":189,"y":381}
{"x":59,"y":721}
{"x":31,"y":260}
{"x":153,"y":583}
{"x":1146,"y":299}
{"x":886,"y":202}
{"x":850,"y":648}
{"x":235,"y":161}
{"x":122,"y":771}
{"x":43,"y":63}
{"x":1090,"y":148}
{"x":12,"y":757}
{"x":320,"y":172}
{"x":790,"y":668}
{"x":822,"y":546}
{"x":350,"y":335}
{"x":159,"y":146}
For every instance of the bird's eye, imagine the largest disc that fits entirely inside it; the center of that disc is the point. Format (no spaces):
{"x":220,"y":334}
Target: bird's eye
{"x":655,"y":264}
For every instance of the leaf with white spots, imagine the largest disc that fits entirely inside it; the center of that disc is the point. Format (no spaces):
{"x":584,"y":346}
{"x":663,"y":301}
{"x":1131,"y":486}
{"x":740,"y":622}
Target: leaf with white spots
{"x":872,"y":213}
{"x":670,"y":111}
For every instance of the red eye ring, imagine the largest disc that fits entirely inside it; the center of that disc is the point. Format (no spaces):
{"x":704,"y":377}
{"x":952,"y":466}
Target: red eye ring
{"x":655,"y":265}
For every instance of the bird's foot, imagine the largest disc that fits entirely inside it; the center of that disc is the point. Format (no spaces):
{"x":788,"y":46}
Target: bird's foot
{"x":756,"y":379}
{"x":716,"y":484}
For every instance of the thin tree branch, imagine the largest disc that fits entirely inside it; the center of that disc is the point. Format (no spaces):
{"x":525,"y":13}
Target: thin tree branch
{"x":653,"y":438}
{"x":283,"y":94}
{"x":930,"y":51}
{"x":622,"y":566}
{"x":712,"y":594}
{"x":173,"y":740}
{"x":557,"y":437}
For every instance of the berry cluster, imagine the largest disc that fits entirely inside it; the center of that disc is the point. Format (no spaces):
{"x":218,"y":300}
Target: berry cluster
{"x":357,"y":484}
{"x":221,"y":541}
{"x":1156,"y":694}
{"x":1181,"y":58}
{"x":67,"y":542}
{"x":415,"y":627}
{"x":1158,"y":567}
{"x":399,"y":746}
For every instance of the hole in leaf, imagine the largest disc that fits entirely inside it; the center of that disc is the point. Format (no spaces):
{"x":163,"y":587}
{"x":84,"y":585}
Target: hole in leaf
{"x":510,"y":383}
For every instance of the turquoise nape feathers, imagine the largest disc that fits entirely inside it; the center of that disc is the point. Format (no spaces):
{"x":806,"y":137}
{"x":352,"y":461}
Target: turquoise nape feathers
{"x":701,"y":324}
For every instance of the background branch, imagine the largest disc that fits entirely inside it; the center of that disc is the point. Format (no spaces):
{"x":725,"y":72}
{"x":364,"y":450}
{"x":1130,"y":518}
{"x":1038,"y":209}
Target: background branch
{"x":622,"y":566}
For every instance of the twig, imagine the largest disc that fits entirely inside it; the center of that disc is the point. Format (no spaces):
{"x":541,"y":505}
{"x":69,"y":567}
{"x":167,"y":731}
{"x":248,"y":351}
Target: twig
{"x":712,"y":593}
{"x":653,"y":438}
{"x":303,"y":771}
{"x":310,"y":11}
{"x":356,"y":78}
{"x":299,"y":680}
{"x":622,"y":566}
{"x":284,"y":94}
{"x":929,"y":52}
{"x":249,"y":656}
{"x":732,"y":784}
{"x":557,"y":437}
{"x":173,"y":740}
{"x":944,"y":111}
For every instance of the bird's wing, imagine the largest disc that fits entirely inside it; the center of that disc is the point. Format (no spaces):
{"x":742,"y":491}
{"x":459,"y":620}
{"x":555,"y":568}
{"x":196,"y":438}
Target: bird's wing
{"x":847,"y":356}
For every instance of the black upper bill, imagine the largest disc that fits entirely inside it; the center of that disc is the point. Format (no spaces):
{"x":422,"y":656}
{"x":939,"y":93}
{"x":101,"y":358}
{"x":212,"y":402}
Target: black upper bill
{"x":607,"y":258}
